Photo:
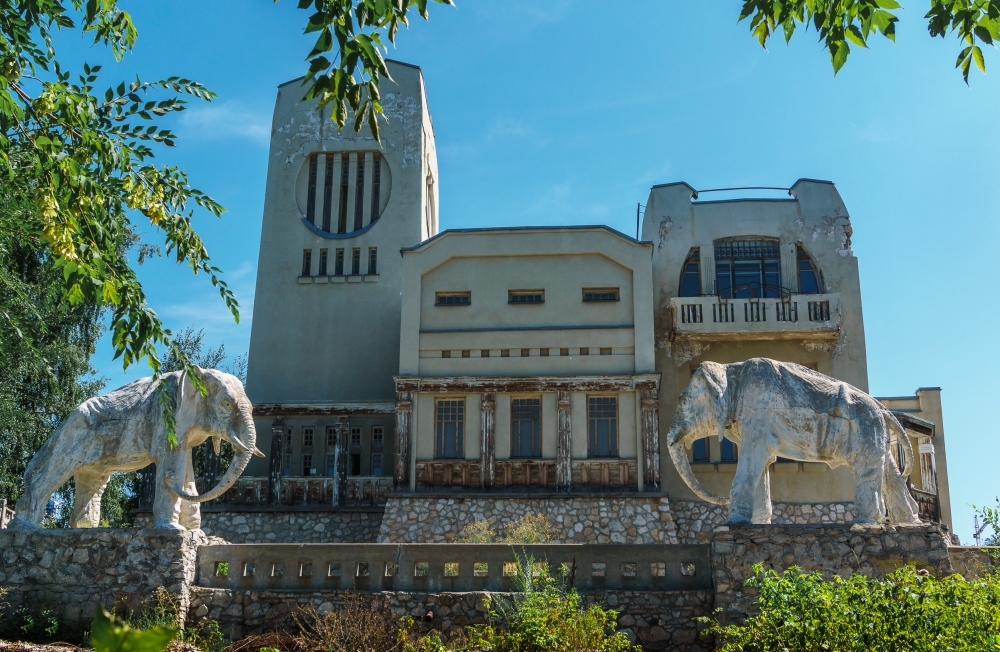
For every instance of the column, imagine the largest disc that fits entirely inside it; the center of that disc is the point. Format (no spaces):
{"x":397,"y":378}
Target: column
{"x":650,"y":412}
{"x":404,"y":420}
{"x":564,"y":445}
{"x":340,"y":461}
{"x":274,"y":469}
{"x":487,"y":443}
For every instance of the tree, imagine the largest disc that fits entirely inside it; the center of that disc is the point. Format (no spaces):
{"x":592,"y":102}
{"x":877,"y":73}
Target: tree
{"x":346,"y":63}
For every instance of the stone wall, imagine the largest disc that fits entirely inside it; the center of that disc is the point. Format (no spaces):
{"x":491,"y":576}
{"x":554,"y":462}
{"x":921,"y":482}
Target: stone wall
{"x":972,"y":563}
{"x":870,"y":550}
{"x":74,"y":571}
{"x":657,"y":619}
{"x":289,"y":527}
{"x":695,"y":520}
{"x":625,"y":519}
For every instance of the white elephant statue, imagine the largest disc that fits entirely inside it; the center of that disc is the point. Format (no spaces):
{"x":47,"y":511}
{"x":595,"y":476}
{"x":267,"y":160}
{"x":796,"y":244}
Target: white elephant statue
{"x":774,"y":409}
{"x":124,"y":431}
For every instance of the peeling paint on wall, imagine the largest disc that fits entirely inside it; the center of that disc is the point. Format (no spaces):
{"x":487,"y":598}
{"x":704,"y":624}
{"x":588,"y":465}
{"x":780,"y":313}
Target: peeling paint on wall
{"x":665,"y":225}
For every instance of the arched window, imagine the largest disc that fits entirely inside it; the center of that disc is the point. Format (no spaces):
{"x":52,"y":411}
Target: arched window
{"x":691,"y":275}
{"x":809,"y":278}
{"x":748,"y":268}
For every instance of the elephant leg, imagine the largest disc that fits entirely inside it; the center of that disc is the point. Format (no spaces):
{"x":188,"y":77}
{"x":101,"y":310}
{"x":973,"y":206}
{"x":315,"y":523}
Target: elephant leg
{"x":749,"y":469}
{"x":166,"y":504}
{"x":762,"y":498}
{"x":90,"y":484}
{"x":190,"y":516}
{"x":869,"y":504}
{"x":900,"y":505}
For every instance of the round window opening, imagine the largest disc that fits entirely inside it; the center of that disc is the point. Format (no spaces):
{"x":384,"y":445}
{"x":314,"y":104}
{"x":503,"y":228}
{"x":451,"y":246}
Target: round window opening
{"x":343,"y":192}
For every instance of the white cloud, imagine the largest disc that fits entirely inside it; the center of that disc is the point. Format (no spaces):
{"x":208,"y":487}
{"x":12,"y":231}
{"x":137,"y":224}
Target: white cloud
{"x":227,"y":120}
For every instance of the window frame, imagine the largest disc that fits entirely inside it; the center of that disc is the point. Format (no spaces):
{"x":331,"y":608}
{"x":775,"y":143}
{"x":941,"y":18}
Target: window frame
{"x":693,"y":258}
{"x":802,"y":255}
{"x":324,"y":256}
{"x":440,"y":433}
{"x":372,"y":261}
{"x":593,"y":422}
{"x":308,"y":436}
{"x":769,"y":249}
{"x":516,"y":451}
{"x":595,"y":294}
{"x":356,"y":261}
{"x":445,"y":294}
{"x":306,"y":262}
{"x":306,"y":464}
{"x":532,"y":297}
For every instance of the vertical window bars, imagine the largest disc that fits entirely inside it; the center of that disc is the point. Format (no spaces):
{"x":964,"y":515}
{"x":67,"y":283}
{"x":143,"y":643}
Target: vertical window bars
{"x":359,"y":193}
{"x":376,"y":182}
{"x":327,"y":192}
{"x":372,"y":260}
{"x":345,"y":171}
{"x":311,"y":200}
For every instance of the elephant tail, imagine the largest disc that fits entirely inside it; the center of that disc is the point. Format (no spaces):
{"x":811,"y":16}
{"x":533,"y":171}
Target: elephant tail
{"x":897,"y":429}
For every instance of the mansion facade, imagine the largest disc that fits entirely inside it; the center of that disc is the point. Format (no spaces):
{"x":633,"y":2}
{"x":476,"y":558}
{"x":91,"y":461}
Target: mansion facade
{"x":391,"y":360}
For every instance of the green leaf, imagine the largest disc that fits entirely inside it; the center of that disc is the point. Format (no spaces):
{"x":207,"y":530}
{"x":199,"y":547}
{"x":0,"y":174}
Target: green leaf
{"x":977,"y":55}
{"x":838,"y":55}
{"x":855,"y":36}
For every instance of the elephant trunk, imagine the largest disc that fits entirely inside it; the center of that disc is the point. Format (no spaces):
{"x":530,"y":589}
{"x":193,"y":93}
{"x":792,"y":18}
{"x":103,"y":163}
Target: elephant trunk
{"x":244,"y":440}
{"x":680,"y":458}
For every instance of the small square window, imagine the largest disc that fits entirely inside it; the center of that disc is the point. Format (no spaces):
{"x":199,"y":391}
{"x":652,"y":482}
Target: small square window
{"x":446,"y":354}
{"x":509,"y":569}
{"x":525,"y":353}
{"x":525,"y":296}
{"x":391,"y":569}
{"x":601,"y":294}
{"x":249,"y":569}
{"x":333,"y":570}
{"x":277,"y":570}
{"x":221,"y":568}
{"x":605,"y":350}
{"x":485,"y":353}
{"x":481,"y":569}
{"x":362,"y":569}
{"x":378,"y":435}
{"x":584,"y":350}
{"x":504,"y":353}
{"x":689,"y":569}
{"x":543,"y":352}
{"x":598,"y":568}
{"x":466,"y":353}
{"x":564,"y":352}
{"x":305,"y":569}
{"x":452,"y":298}
{"x":628,"y":569}
{"x":421,"y":569}
{"x":658,"y":569}
{"x":451,"y":569}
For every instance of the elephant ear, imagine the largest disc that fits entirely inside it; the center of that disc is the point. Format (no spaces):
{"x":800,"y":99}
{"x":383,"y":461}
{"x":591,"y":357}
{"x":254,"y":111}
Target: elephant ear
{"x":717,"y":380}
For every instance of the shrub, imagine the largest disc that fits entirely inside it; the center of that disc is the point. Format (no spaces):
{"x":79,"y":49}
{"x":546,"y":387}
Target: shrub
{"x":110,"y":634}
{"x":358,"y":627}
{"x":530,"y":528}
{"x":478,"y":532}
{"x":907,"y":610}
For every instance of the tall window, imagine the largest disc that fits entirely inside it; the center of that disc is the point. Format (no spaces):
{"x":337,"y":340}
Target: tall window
{"x":288,"y":452}
{"x":307,"y":462}
{"x":322,"y":261}
{"x":372,"y":260}
{"x":311,"y":200}
{"x":355,"y":436}
{"x":450,"y":429}
{"x":728,"y":451}
{"x":331,"y":465}
{"x":356,"y":262}
{"x":525,"y":439}
{"x":345,"y":173}
{"x":747,"y":268}
{"x":359,"y":193}
{"x":701,"y":450}
{"x":376,"y":463}
{"x":327,"y":192}
{"x":307,"y":436}
{"x":603,"y":421}
{"x":307,"y":262}
{"x":355,"y":464}
{"x":809,"y":282}
{"x":691,"y":275}
{"x":331,"y":437}
{"x":429,"y":209}
{"x":338,"y":263}
{"x":376,"y":182}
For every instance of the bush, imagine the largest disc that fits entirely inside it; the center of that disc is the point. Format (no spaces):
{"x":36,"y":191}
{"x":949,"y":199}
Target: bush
{"x":907,"y":610}
{"x":530,"y":528}
{"x":357,"y":627}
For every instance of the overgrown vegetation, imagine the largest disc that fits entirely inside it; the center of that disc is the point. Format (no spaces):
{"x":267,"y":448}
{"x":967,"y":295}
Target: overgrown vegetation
{"x":530,"y":528}
{"x":991,"y":519}
{"x":365,"y":626}
{"x":908,"y":610}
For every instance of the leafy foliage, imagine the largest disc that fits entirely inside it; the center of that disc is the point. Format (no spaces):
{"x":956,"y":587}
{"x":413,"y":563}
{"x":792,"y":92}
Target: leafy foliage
{"x":991,"y":518}
{"x":109,"y":634}
{"x":906,"y":610}
{"x":84,"y":157}
{"x":842,"y":22}
{"x":355,"y":625}
{"x":530,"y":528}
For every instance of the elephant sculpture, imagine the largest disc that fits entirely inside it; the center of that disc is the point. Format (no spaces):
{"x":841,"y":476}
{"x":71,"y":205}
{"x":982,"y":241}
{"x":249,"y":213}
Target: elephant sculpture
{"x":773,"y":409}
{"x":124,"y":430}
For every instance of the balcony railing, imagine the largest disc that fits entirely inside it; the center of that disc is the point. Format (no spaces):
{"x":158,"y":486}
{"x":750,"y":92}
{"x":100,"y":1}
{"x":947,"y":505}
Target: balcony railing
{"x":927,"y":505}
{"x":789,"y":316}
{"x":362,"y":491}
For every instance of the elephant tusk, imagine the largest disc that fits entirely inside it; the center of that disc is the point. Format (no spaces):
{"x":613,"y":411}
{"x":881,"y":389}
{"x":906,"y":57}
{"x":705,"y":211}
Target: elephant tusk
{"x":256,"y":451}
{"x":180,"y":493}
{"x":217,"y":445}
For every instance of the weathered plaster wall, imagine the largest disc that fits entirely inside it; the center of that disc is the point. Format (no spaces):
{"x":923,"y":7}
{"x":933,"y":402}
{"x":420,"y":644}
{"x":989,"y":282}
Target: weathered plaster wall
{"x":289,"y":527}
{"x":72,"y":572}
{"x":626,"y":519}
{"x":659,"y":620}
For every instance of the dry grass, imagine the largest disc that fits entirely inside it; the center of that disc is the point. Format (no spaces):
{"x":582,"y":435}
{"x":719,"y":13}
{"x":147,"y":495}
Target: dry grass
{"x":358,"y":626}
{"x":530,"y":528}
{"x":274,"y":640}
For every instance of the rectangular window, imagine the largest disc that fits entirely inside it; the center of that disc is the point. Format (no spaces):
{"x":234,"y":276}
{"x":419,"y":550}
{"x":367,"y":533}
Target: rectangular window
{"x":323,"y":255}
{"x":525,"y":353}
{"x":584,"y":350}
{"x":728,"y":451}
{"x":525,"y":439}
{"x":345,"y":172}
{"x":331,"y":466}
{"x":372,"y":260}
{"x":307,"y":436}
{"x":378,"y":435}
{"x":543,"y":352}
{"x":307,"y":262}
{"x":359,"y":193}
{"x":376,"y":463}
{"x":563,"y":351}
{"x":601,"y":294}
{"x":307,"y":462}
{"x":288,"y":465}
{"x":452,"y":298}
{"x":605,"y":350}
{"x":603,"y":425}
{"x":504,"y":353}
{"x":338,"y":263}
{"x":450,"y":429}
{"x":466,"y":353}
{"x":376,"y":181}
{"x":701,"y":450}
{"x":355,"y":464}
{"x":311,"y":199}
{"x":355,"y":436}
{"x":356,"y":262}
{"x":446,"y":354}
{"x":525,"y":296}
{"x":331,"y":437}
{"x":327,"y":192}
{"x":288,"y":441}
{"x":747,"y":269}
{"x":485,"y":353}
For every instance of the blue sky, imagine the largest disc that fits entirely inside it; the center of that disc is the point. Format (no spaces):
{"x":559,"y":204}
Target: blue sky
{"x":566,"y":112}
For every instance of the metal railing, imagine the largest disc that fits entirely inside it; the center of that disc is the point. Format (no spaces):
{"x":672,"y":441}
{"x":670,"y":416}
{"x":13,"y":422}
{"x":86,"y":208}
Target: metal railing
{"x":316,"y":491}
{"x":713,"y":314}
{"x":451,"y":567}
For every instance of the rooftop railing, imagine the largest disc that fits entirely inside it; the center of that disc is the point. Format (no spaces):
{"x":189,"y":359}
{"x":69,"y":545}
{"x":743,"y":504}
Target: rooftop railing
{"x":788,"y":316}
